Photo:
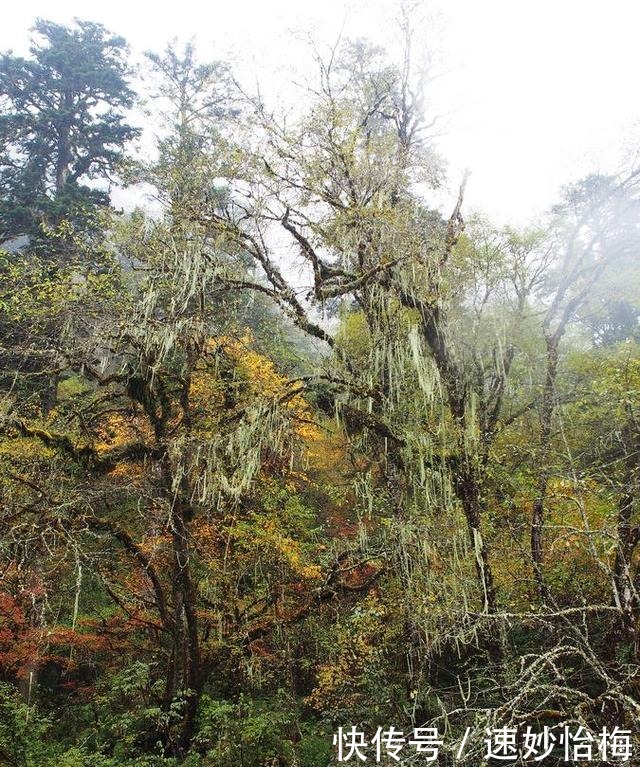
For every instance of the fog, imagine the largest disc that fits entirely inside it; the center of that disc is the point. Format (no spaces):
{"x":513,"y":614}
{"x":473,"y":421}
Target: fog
{"x":531,"y":94}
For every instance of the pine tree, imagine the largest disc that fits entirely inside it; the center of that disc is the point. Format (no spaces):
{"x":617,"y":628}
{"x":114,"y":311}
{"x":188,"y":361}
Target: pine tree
{"x":62,"y":126}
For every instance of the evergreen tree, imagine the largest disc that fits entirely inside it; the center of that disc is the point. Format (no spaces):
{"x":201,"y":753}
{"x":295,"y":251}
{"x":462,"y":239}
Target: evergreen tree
{"x":62,"y":126}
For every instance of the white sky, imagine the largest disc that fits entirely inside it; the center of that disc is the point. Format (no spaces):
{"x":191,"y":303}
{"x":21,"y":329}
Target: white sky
{"x":536,"y":92}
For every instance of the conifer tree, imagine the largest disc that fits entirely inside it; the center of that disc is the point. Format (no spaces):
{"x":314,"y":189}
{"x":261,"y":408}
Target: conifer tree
{"x":62,"y":126}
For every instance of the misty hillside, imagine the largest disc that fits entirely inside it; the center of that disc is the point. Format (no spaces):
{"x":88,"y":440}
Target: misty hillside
{"x":304,"y":459}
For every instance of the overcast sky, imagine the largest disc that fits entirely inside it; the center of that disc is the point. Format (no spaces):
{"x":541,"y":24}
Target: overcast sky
{"x":535,"y":92}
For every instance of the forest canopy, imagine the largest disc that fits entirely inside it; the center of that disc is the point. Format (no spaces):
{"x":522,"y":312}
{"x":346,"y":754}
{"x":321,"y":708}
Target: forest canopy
{"x":294,"y":449}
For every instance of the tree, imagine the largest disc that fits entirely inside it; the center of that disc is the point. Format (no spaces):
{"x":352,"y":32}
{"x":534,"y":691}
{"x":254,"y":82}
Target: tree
{"x":342,"y":184}
{"x":597,"y":227}
{"x":63,"y":128}
{"x":175,"y":413}
{"x":218,"y":548}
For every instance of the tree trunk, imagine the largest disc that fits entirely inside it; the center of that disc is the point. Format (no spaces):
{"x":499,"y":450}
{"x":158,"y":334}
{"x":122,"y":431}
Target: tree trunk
{"x":627,"y":542}
{"x":628,"y":535}
{"x":546,"y":417}
{"x":184,"y":677}
{"x":63,"y":159}
{"x":188,"y":660}
{"x":469,"y":493}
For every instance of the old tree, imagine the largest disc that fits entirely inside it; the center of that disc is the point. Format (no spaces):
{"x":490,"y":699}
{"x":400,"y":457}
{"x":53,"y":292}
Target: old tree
{"x":296,"y":450}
